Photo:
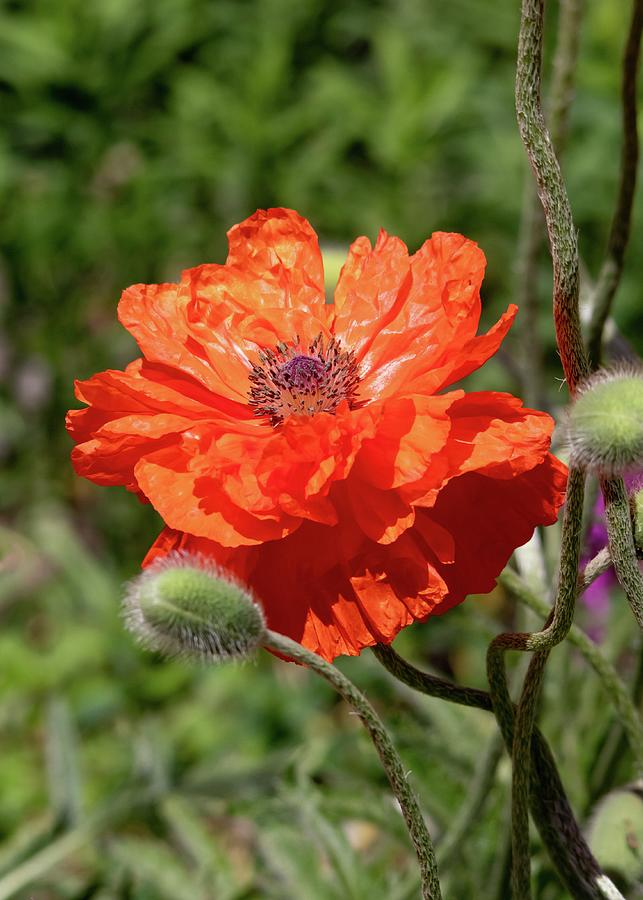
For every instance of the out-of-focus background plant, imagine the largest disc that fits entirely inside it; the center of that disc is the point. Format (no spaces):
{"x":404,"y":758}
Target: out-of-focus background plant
{"x":132,"y":136}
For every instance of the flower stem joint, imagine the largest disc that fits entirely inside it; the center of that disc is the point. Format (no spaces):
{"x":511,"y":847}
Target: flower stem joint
{"x":605,"y":423}
{"x":185,"y":605}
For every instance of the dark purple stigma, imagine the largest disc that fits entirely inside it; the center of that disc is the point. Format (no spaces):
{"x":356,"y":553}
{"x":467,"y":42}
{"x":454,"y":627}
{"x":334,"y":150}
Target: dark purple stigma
{"x":286,"y":382}
{"x":304,"y":373}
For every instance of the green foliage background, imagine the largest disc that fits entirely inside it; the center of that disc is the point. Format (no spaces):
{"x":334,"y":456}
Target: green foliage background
{"x":132,"y":136}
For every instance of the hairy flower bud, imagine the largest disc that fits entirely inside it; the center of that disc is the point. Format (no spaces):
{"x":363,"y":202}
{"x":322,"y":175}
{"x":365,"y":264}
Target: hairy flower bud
{"x":605,"y":423}
{"x":615,"y":832}
{"x":185,"y":605}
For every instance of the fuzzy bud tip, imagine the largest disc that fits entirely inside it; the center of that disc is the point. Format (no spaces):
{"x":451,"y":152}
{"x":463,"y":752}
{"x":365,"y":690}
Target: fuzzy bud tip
{"x":605,"y":423}
{"x":185,"y":605}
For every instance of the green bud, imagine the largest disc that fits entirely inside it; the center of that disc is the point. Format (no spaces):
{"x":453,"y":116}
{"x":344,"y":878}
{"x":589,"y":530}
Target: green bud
{"x":616,"y":834}
{"x":185,"y":605}
{"x":605,"y":423}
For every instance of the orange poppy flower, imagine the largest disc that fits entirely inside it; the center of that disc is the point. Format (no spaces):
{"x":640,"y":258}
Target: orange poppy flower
{"x":311,"y":448}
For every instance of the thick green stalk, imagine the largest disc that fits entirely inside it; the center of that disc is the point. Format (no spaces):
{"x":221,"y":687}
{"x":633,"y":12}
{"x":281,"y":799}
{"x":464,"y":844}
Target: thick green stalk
{"x":549,"y":805}
{"x":384,"y":746}
{"x":564,"y":252}
{"x":559,"y":102}
{"x":620,"y":539}
{"x":551,"y":190}
{"x":609,"y":677}
{"x":541,"y":642}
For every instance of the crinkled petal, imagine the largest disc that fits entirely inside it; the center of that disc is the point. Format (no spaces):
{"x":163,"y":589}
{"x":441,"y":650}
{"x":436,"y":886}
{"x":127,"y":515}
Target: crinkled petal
{"x":491,"y":433}
{"x":382,"y":515}
{"x":279,"y":251}
{"x":409,"y":316}
{"x":239,"y":483}
{"x":466,"y":359}
{"x":301,"y":460}
{"x":489,"y":517}
{"x":189,"y":501}
{"x":132,"y":413}
{"x":411,"y":433}
{"x":213,"y":324}
{"x":372,"y":287}
{"x":158,"y":317}
{"x":231,"y":310}
{"x":336,"y":591}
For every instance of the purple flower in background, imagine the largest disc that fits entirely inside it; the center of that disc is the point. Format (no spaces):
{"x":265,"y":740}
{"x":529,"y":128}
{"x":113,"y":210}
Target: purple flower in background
{"x":597,"y":596}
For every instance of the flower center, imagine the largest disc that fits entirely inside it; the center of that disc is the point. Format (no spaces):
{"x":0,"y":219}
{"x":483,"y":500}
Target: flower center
{"x":302,"y":373}
{"x":290,"y":381}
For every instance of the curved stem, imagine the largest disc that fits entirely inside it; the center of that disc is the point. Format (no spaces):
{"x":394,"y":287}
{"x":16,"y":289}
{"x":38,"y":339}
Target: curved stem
{"x":384,"y":746}
{"x":595,"y":567}
{"x":612,"y":267}
{"x":620,"y":539}
{"x":430,"y":684}
{"x":521,"y":773}
{"x":549,"y":805}
{"x":609,"y":677}
{"x":552,"y":193}
{"x":531,"y":224}
{"x":542,"y":642}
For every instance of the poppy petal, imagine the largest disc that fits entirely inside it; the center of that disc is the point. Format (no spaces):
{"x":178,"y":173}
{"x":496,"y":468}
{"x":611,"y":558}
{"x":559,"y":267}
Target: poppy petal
{"x":411,"y":432}
{"x":434,"y":310}
{"x":279,"y":250}
{"x":158,"y":317}
{"x":372,"y":287}
{"x":491,"y":517}
{"x":132,"y":413}
{"x":493,"y":433}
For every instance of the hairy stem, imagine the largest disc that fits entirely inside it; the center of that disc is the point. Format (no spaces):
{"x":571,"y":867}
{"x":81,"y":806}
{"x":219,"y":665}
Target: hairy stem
{"x":388,"y":754}
{"x":564,"y":251}
{"x":620,"y":540}
{"x":551,"y":190}
{"x":531,"y":225}
{"x":561,"y":90}
{"x":609,"y":275}
{"x":541,"y":642}
{"x":526,"y":287}
{"x":549,"y":805}
{"x":521,"y":773}
{"x":609,"y":677}
{"x":595,"y":567}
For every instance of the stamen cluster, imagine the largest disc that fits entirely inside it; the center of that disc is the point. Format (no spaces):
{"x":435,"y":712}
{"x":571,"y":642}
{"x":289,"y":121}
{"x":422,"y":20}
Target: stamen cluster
{"x":292,"y":381}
